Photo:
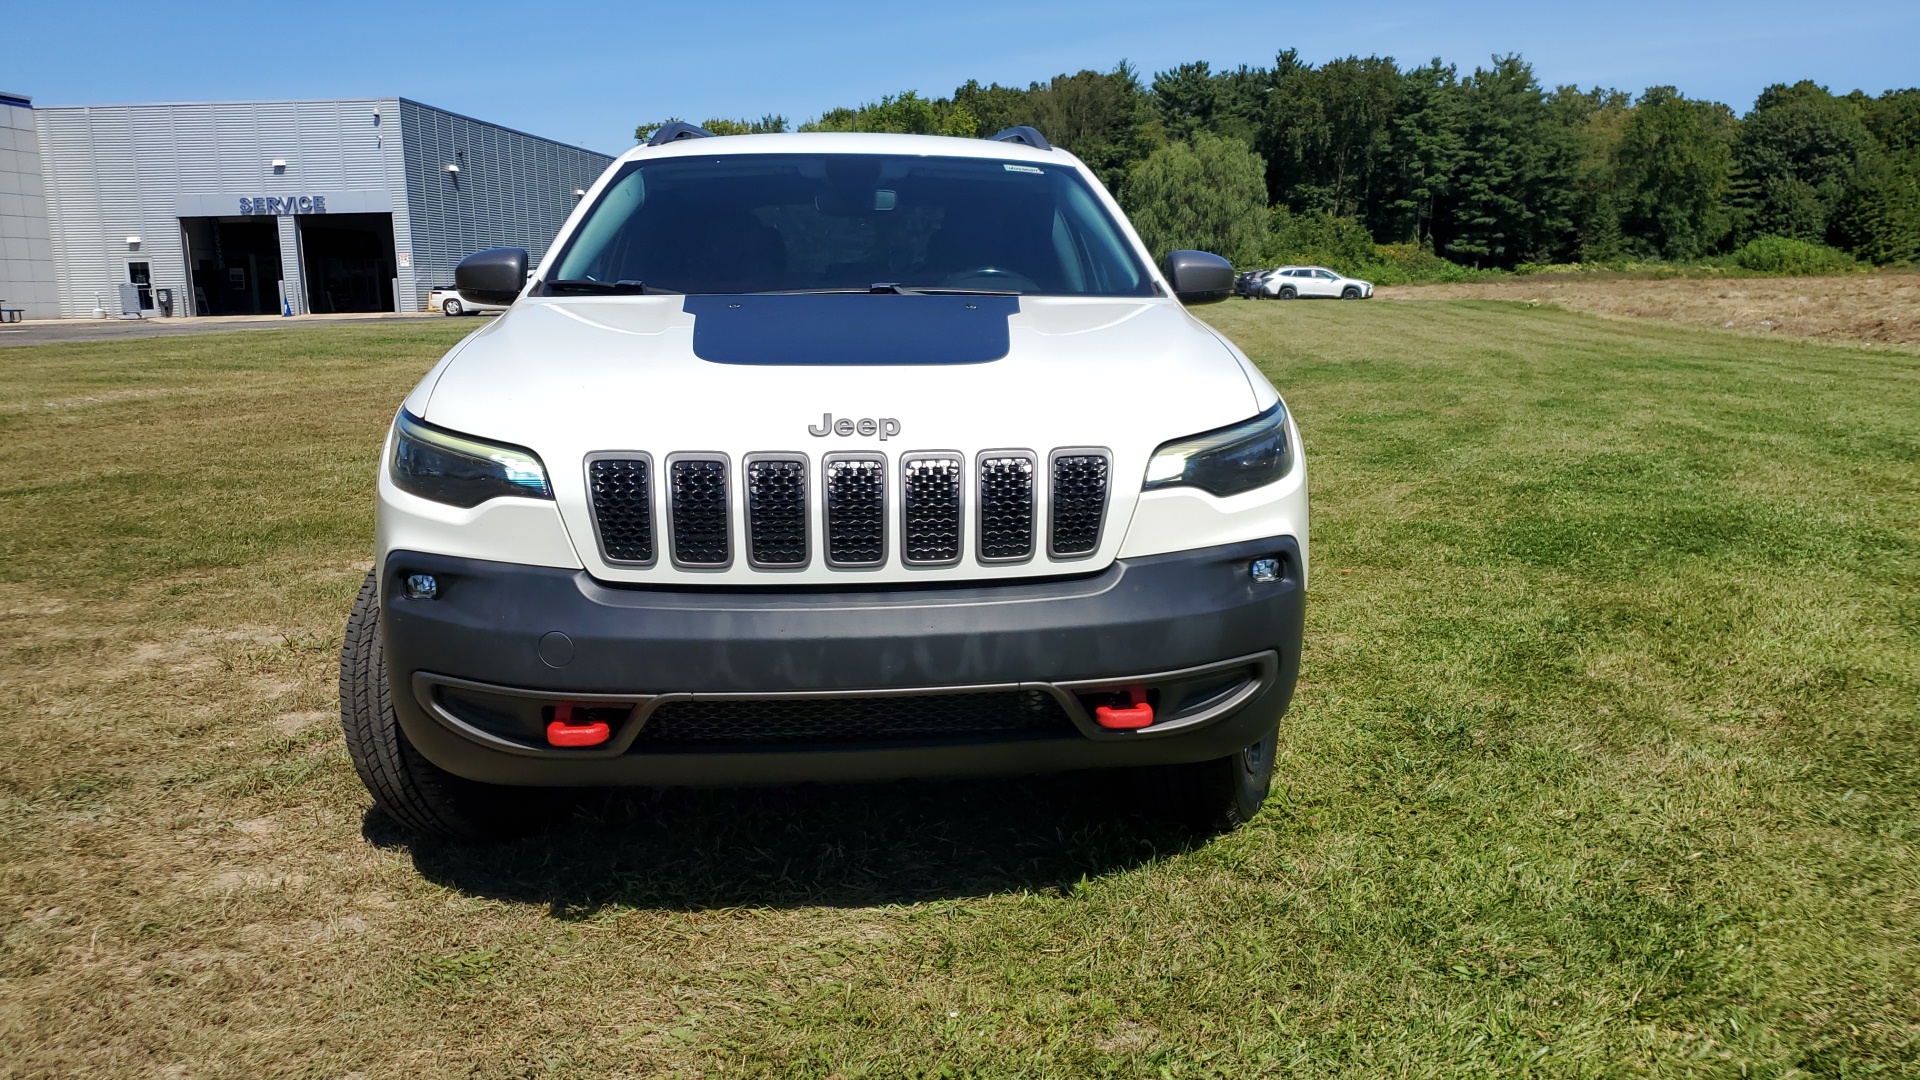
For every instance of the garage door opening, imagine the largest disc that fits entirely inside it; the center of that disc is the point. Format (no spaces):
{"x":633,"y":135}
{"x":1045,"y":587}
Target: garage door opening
{"x":348,"y":260}
{"x":235,"y":263}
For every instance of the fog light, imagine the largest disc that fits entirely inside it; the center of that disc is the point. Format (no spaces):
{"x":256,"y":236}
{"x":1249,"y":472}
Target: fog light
{"x":1265,"y":569}
{"x":422,"y":587}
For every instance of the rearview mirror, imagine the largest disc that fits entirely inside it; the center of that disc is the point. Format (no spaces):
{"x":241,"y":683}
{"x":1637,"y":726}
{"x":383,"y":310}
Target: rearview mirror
{"x":493,"y":276}
{"x":1199,"y":277}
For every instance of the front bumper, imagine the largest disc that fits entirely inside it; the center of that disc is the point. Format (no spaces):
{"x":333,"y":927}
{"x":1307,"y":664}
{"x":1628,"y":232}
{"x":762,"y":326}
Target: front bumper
{"x":500,"y":637}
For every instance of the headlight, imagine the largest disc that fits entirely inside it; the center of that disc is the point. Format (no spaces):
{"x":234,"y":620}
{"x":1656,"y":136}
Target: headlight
{"x":1228,"y":461}
{"x":437,"y":464}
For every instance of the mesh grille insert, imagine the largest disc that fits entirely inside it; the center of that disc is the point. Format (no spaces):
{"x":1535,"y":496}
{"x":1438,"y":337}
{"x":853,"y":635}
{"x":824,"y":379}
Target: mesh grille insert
{"x":1006,"y":506}
{"x":930,"y":509}
{"x":854,"y":719}
{"x":777,"y":511}
{"x":1079,"y":503}
{"x":856,"y":510}
{"x":622,"y":492}
{"x":699,"y":498}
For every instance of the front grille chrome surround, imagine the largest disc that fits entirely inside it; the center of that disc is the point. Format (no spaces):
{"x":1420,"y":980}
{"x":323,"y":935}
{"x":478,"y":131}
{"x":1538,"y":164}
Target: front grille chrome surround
{"x":777,"y":510}
{"x":854,"y":490}
{"x":1004,"y":503}
{"x":933,"y":486}
{"x":700,"y":521}
{"x":620,"y":497}
{"x":1078,"y":481}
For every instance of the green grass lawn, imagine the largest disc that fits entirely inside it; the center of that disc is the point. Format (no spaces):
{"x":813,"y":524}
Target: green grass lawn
{"x":1603,"y":761}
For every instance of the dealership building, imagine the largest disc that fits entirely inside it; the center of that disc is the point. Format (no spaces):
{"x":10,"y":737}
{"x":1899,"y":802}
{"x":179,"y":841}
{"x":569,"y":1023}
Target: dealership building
{"x":260,"y":208}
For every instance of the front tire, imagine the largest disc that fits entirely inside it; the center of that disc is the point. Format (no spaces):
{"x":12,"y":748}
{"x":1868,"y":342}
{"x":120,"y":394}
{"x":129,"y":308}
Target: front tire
{"x":1220,"y":795}
{"x":1287,"y":292}
{"x":1351,"y":292}
{"x":416,"y":793}
{"x":450,"y":307}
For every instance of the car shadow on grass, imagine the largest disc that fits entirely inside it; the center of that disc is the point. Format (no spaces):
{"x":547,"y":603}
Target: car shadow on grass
{"x":841,"y":845}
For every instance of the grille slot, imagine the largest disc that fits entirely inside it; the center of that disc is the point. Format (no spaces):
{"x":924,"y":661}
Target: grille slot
{"x":1008,"y":713}
{"x":1006,"y":505}
{"x":621,"y":488}
{"x":776,"y":510}
{"x":930,"y":493}
{"x":856,"y":497}
{"x":697,"y":490}
{"x":1078,"y":490}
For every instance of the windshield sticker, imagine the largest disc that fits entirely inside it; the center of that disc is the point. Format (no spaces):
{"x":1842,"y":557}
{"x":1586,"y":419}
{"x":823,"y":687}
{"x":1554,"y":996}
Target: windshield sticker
{"x":1024,"y":168}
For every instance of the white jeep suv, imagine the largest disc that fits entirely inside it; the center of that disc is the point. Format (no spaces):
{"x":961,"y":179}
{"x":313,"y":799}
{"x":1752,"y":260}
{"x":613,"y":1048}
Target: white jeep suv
{"x":831,"y":457}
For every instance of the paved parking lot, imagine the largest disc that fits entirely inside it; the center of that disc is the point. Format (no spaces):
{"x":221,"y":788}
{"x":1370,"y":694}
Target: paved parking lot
{"x":50,"y":331}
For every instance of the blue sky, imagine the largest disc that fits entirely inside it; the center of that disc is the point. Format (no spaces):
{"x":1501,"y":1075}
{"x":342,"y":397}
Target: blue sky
{"x":586,"y":73}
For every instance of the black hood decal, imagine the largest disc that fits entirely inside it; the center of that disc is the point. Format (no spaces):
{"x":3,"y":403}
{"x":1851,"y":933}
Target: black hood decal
{"x":850,"y":328}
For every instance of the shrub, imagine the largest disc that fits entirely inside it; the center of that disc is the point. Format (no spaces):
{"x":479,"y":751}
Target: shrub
{"x":1783,"y":255}
{"x":1316,"y":238}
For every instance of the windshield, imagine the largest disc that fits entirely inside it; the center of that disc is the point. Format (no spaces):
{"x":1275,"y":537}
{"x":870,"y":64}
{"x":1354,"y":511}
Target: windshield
{"x":789,"y":222}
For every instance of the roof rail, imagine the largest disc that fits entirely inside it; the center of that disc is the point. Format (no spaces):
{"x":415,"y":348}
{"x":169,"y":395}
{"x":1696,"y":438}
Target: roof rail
{"x":1025,"y":136}
{"x":676,"y":131}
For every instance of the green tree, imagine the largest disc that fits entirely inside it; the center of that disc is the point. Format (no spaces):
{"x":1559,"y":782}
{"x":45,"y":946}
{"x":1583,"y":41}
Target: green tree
{"x":906,"y":113}
{"x":1426,"y":147}
{"x":1328,"y":132}
{"x":1207,"y":193}
{"x":1598,"y":121}
{"x":1878,"y":219}
{"x":1673,"y":170}
{"x":1513,"y":187}
{"x":1106,"y":119}
{"x":1797,"y":151}
{"x":766,"y":125}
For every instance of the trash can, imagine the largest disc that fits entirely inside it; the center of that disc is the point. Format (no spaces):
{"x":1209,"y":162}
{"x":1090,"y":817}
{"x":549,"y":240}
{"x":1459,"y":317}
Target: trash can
{"x":164,"y":298}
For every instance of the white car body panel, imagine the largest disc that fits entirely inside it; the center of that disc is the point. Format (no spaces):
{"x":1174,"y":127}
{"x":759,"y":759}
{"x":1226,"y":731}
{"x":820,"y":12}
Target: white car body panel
{"x":571,"y":376}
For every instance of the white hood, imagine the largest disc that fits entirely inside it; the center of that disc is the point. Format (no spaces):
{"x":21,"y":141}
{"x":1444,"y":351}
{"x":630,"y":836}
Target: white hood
{"x":620,"y":373}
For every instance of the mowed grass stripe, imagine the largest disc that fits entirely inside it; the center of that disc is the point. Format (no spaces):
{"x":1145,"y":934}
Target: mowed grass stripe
{"x":1602,"y":763}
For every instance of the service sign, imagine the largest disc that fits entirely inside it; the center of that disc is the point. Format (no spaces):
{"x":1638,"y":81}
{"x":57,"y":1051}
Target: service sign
{"x":277,"y":206}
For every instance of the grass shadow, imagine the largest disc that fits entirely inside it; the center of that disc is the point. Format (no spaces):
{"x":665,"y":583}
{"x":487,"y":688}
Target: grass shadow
{"x":839,"y":845}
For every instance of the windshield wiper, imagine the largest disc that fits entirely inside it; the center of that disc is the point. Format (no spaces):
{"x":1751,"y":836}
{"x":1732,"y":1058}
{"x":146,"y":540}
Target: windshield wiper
{"x":613,"y":288}
{"x":893,"y":288}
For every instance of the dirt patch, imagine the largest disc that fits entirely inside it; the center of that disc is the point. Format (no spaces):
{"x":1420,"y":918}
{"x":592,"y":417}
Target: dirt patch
{"x":1881,"y":308}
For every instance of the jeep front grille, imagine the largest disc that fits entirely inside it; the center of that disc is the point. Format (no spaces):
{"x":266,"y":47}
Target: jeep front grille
{"x":930,"y":490}
{"x":999,"y":507}
{"x":853,"y":719}
{"x":622,"y":493}
{"x":856,"y":494}
{"x":1079,"y":502}
{"x":1006,"y":506}
{"x":698,"y":506}
{"x":776,"y":511}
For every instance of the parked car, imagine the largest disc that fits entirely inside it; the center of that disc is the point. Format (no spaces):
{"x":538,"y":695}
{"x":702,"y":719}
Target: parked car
{"x":1246,"y":282}
{"x":831,"y":457}
{"x":447,"y":301}
{"x":1289,"y":282}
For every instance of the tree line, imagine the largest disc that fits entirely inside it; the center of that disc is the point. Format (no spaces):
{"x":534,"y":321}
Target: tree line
{"x":1486,"y":169}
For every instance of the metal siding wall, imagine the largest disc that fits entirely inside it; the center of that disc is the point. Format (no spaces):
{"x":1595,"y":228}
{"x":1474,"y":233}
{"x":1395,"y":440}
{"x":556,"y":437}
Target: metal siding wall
{"x":26,"y":252}
{"x":115,"y":172}
{"x":515,"y":190}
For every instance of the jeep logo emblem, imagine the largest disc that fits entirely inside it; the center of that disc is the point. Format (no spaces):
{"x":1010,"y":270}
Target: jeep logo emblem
{"x":886,"y":427}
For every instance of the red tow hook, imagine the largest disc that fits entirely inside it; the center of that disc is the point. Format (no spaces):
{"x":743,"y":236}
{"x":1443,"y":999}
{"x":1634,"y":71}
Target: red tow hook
{"x":564,"y":732}
{"x":1135,"y":714}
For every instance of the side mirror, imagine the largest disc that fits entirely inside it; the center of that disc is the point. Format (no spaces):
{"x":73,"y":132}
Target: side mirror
{"x":1199,"y":277}
{"x":493,"y":276}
